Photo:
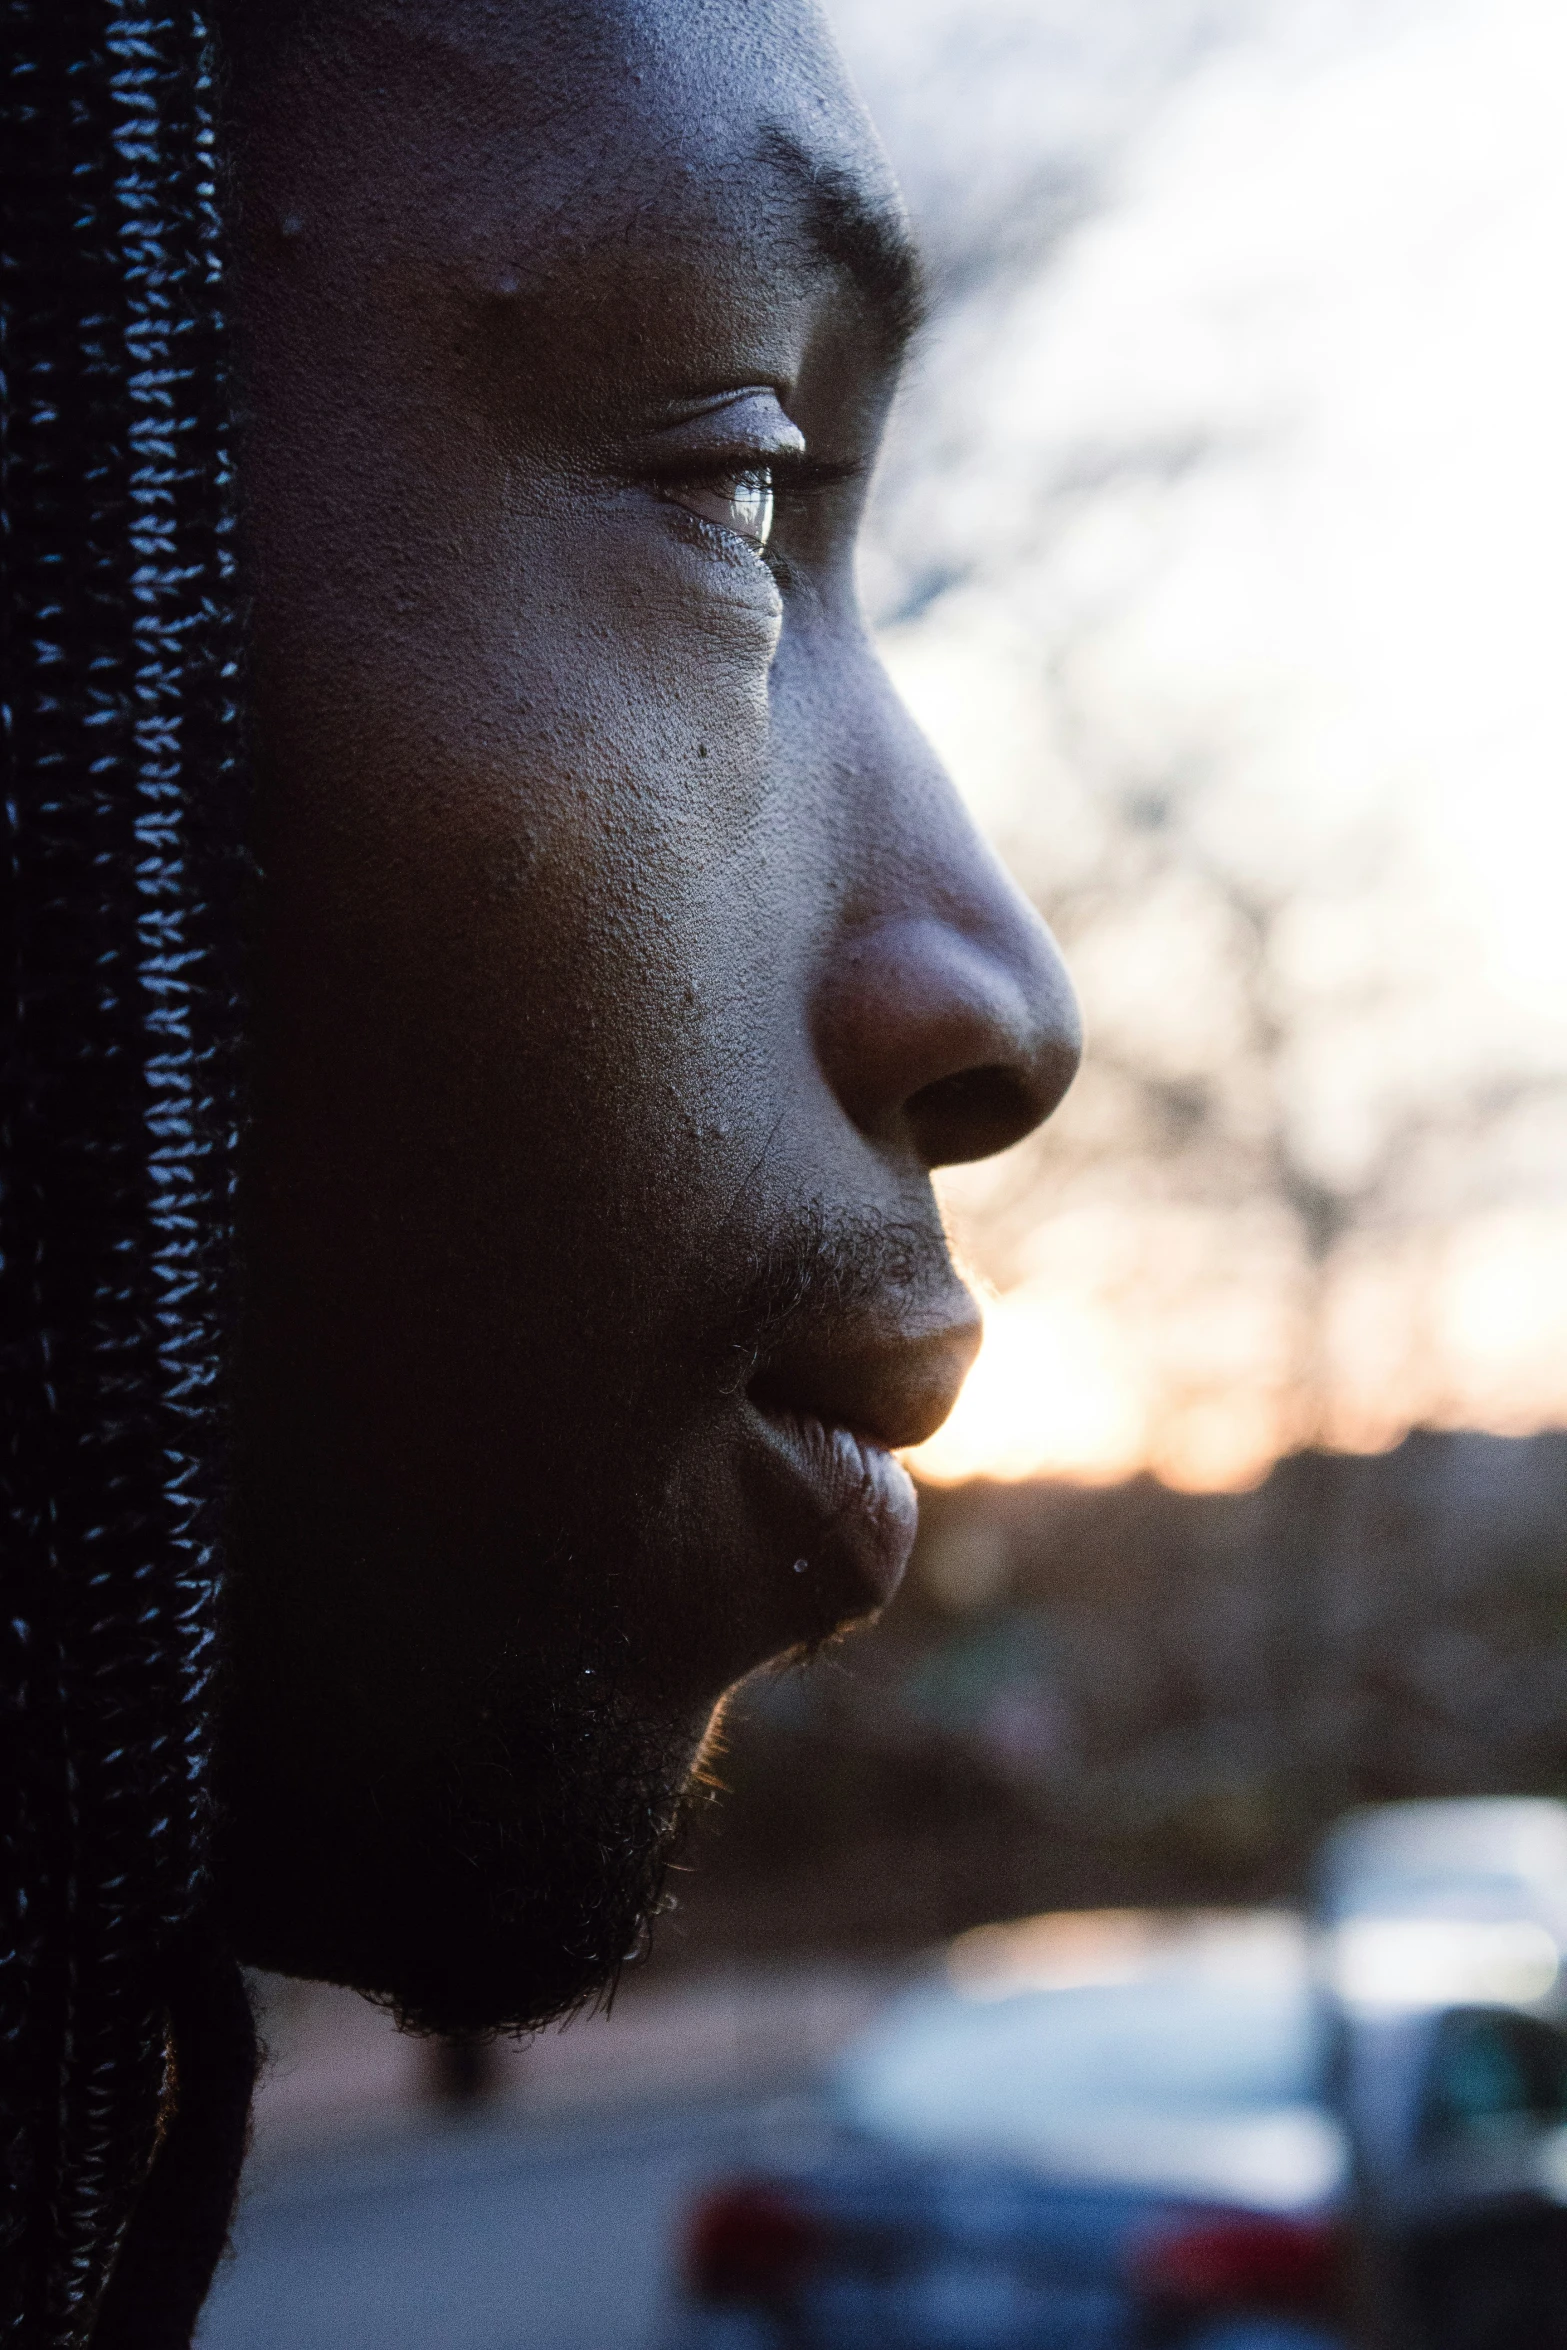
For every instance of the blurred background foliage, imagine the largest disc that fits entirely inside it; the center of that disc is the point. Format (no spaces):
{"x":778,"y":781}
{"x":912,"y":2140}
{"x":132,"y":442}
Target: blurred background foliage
{"x":1093,"y":1696}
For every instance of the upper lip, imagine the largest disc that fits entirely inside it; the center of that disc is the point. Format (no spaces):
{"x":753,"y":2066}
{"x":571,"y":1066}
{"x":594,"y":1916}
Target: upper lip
{"x":893,"y":1385}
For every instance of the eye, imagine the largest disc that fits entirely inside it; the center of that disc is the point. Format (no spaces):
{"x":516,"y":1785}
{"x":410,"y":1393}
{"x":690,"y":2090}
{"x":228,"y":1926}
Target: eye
{"x":741,"y":502}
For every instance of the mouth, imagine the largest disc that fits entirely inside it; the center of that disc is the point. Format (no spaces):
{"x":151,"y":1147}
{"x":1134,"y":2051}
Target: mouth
{"x":854,"y":1515}
{"x":832,"y":1417}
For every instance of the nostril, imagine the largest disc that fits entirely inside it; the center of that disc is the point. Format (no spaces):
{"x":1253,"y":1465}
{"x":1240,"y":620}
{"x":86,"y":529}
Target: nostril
{"x":956,"y":1043}
{"x":971,"y":1115}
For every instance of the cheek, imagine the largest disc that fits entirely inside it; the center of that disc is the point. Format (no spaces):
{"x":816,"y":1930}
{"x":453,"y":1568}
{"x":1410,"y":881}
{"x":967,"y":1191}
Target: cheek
{"x":641,"y":677}
{"x":514,"y":909}
{"x":637,"y":708}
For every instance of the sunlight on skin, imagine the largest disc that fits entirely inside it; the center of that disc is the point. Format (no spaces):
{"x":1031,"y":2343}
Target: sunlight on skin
{"x":1333,"y":262}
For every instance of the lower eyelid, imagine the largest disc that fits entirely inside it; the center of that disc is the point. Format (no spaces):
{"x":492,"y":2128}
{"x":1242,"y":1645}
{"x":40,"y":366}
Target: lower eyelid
{"x":740,"y":556}
{"x":709,"y":499}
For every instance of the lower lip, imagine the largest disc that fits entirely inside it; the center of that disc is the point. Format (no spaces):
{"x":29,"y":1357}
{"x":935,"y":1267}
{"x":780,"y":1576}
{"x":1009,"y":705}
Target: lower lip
{"x":856,"y":1530}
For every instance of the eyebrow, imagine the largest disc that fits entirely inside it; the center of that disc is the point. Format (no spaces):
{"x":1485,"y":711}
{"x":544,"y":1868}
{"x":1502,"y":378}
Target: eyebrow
{"x":854,"y":228}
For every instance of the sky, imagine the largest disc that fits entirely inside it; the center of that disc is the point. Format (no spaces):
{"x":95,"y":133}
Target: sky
{"x":1236,"y":450}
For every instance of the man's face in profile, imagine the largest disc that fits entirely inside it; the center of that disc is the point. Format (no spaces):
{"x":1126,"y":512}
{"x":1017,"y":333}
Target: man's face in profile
{"x":626,"y":962}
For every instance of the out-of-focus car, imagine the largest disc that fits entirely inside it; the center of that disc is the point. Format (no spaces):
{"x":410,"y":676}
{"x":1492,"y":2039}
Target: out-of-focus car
{"x":1438,"y":1933}
{"x":1094,"y":2132}
{"x":1458,"y":2121}
{"x":1128,"y":2131}
{"x":1427,"y":1904}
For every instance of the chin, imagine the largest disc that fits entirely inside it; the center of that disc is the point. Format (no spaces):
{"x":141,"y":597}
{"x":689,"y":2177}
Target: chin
{"x":466,"y":1806}
{"x":506,"y":1891}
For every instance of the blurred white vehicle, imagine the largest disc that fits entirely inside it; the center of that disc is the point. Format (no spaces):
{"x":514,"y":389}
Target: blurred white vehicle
{"x":1439,"y":1935}
{"x":1117,"y":2130}
{"x":1092,"y":2132}
{"x":1425,"y":1904}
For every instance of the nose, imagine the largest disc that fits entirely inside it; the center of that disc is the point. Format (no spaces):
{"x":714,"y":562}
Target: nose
{"x":944,"y":1020}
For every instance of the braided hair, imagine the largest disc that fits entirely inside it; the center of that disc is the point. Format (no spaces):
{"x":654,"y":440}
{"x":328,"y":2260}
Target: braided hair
{"x":126,"y":2050}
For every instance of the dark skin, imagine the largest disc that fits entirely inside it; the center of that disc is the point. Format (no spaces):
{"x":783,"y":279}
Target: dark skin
{"x":627,"y":963}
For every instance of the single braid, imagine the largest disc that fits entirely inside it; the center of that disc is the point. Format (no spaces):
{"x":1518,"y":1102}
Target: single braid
{"x":120,"y":870}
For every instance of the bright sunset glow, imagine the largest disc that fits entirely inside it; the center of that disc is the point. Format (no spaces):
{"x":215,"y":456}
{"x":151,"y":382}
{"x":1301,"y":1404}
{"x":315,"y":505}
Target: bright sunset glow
{"x":1325,"y":263}
{"x":1047,"y":1396}
{"x":1061,"y":1389}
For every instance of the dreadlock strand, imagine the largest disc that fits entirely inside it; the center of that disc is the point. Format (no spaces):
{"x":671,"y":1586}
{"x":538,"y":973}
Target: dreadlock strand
{"x":120,"y":868}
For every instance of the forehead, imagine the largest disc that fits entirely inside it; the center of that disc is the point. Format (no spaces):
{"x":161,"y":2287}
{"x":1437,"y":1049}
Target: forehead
{"x":519,"y":137}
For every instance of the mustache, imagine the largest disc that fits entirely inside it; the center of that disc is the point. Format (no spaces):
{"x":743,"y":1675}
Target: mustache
{"x":829,"y":1265}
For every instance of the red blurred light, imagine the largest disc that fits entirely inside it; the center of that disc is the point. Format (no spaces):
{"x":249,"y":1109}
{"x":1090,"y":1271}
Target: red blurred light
{"x":749,"y":2243}
{"x":1244,"y":2260}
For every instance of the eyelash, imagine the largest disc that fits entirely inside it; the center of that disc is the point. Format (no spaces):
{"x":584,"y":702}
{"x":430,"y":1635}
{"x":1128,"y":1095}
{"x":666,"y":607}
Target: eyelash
{"x":794,"y":477}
